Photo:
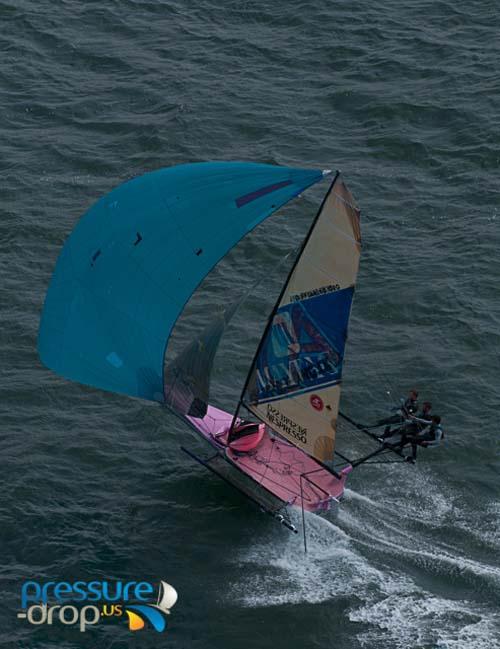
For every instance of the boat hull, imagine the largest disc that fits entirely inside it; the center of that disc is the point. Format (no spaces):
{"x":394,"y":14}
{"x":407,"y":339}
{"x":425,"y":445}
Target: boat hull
{"x":276,"y":465}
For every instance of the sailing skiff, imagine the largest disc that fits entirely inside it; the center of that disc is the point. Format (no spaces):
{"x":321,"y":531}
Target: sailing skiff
{"x":125,"y":275}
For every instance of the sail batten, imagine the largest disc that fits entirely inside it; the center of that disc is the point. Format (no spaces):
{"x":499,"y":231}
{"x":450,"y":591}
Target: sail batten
{"x":294,"y":382}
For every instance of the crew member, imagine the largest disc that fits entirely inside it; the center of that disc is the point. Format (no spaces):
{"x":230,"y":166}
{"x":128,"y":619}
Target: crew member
{"x":430,"y":436}
{"x":408,"y":408}
{"x":415,"y":424}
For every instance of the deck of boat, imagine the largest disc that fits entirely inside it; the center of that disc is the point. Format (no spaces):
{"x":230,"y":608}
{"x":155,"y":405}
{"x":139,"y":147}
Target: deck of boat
{"x":276,"y":465}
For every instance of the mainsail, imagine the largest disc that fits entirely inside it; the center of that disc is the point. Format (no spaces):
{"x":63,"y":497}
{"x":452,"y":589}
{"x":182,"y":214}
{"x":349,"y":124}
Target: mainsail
{"x":294,"y":382}
{"x":187,"y":377}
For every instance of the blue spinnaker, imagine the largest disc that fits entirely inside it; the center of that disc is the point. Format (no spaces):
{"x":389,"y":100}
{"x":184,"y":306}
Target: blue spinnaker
{"x":135,"y":258}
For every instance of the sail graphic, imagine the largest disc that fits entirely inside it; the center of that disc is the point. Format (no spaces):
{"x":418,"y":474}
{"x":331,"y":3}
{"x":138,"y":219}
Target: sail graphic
{"x":167,"y":597}
{"x":294,"y":383}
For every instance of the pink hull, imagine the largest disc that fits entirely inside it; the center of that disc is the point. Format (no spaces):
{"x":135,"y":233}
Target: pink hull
{"x":278,"y":466}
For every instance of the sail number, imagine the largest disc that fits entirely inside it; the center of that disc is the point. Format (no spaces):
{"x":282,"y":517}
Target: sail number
{"x":305,"y":295}
{"x":283,"y":423}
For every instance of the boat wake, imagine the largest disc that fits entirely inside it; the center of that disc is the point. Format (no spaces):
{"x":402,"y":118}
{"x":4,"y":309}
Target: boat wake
{"x":381,"y":563}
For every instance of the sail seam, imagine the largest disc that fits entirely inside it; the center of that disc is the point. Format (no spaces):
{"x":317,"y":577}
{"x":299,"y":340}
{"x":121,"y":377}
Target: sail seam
{"x":346,"y":202}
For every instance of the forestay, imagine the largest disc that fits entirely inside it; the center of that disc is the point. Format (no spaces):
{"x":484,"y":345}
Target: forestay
{"x":294,"y":383}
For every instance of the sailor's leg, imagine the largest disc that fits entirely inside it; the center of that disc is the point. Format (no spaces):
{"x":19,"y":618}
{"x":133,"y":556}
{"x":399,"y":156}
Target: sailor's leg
{"x":387,"y":432}
{"x":410,"y":439}
{"x":393,"y":419}
{"x":405,"y":439}
{"x":421,"y":440}
{"x":402,"y":442}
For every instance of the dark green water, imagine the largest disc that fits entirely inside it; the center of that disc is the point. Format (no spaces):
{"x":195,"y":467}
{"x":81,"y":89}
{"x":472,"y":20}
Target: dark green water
{"x":404,"y":98}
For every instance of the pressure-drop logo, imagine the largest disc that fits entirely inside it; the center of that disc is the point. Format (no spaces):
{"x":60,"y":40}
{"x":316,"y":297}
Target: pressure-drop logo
{"x":83,"y":604}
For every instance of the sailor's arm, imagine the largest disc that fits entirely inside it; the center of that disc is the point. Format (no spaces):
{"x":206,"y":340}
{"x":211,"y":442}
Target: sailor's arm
{"x":420,"y":420}
{"x":438,"y":436}
{"x":437,"y":440}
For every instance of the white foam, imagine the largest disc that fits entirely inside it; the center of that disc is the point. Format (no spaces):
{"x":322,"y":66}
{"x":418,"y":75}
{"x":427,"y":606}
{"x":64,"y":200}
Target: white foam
{"x":285,"y":574}
{"x":389,"y":525}
{"x":398,"y":612}
{"x":419,"y":619}
{"x":488,"y":531}
{"x":383,"y":536}
{"x":349,"y":494}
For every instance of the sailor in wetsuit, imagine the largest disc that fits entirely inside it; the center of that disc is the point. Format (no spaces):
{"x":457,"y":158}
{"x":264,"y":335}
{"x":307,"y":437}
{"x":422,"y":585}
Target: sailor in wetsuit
{"x":413,"y":424}
{"x":420,"y":421}
{"x":430,"y":436}
{"x":409,"y":407}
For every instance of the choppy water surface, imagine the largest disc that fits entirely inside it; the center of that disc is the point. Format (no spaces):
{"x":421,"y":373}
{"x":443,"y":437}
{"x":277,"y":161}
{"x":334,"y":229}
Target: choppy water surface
{"x":404,"y":98}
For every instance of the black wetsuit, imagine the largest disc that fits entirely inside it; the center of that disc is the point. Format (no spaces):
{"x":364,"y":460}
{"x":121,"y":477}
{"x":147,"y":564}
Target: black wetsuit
{"x":430,"y":436}
{"x":409,"y":407}
{"x":417,"y":424}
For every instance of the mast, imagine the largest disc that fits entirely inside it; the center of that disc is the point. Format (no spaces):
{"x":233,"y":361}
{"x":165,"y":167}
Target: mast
{"x":276,"y":306}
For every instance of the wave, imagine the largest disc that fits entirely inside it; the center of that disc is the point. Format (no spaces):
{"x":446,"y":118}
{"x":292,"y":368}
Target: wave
{"x":369,"y":558}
